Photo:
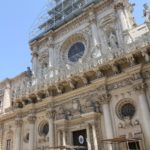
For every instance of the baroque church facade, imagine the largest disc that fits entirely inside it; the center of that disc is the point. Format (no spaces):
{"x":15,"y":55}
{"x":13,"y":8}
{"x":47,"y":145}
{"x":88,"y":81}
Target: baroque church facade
{"x":89,"y":86}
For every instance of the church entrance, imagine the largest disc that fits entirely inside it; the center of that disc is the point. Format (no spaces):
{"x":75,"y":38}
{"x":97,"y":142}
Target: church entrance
{"x":79,"y":139}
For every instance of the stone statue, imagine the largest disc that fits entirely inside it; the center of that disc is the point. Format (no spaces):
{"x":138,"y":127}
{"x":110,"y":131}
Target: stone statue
{"x":96,"y":52}
{"x":29,"y":72}
{"x":146,"y":57}
{"x":113,"y":42}
{"x":147,"y":13}
{"x":68,"y":66}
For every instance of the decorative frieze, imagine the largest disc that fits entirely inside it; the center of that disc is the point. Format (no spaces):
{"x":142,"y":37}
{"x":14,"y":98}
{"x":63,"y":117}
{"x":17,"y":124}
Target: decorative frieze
{"x":120,"y":84}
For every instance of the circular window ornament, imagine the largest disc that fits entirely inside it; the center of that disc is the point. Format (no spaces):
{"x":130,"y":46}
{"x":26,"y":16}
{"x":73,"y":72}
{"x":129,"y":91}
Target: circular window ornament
{"x":125,"y":109}
{"x":128,"y":110}
{"x":76,"y":51}
{"x":81,"y":139}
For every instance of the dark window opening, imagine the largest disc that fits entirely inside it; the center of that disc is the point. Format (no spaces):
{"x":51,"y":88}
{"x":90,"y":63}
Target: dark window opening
{"x":80,"y":138}
{"x":76,"y":51}
{"x":8,"y":144}
{"x":134,"y":146}
{"x":45,"y":129}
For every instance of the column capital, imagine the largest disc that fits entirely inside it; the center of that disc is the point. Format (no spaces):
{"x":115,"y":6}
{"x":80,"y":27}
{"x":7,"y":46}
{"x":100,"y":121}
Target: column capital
{"x":51,"y":114}
{"x":18,"y":122}
{"x":50,"y":42}
{"x":119,"y":5}
{"x":92,"y":18}
{"x":34,"y":54}
{"x":140,"y":87}
{"x":105,"y":98}
{"x":31,"y":118}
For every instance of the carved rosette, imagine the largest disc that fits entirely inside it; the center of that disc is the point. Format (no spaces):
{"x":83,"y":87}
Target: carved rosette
{"x":105,"y":98}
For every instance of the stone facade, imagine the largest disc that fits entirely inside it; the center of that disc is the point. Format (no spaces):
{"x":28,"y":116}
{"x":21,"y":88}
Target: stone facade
{"x":105,"y":92}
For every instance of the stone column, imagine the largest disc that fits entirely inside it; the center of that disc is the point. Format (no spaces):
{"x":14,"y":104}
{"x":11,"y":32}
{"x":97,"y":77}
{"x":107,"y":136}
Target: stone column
{"x":64,"y":137}
{"x":32,"y":119}
{"x":51,"y":55}
{"x":105,"y":99}
{"x":94,"y":28}
{"x":51,"y":117}
{"x":94,"y":137}
{"x":18,"y":123}
{"x":120,"y":11}
{"x":34,"y":61}
{"x":88,"y":137}
{"x":95,"y":36}
{"x":1,"y":136}
{"x":59,"y":138}
{"x":144,"y":112}
{"x":50,"y":47}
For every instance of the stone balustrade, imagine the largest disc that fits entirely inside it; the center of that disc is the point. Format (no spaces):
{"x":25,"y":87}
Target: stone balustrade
{"x":53,"y":76}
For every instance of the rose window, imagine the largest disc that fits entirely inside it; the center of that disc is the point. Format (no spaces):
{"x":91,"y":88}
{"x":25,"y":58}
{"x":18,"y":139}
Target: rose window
{"x":76,"y":51}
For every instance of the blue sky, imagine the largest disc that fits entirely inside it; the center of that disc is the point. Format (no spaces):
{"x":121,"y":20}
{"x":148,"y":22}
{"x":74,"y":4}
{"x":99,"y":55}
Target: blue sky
{"x":16,"y":18}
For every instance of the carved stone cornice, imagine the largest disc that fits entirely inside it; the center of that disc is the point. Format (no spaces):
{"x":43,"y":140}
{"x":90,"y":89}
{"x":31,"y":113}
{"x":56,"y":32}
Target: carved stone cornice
{"x":105,"y":98}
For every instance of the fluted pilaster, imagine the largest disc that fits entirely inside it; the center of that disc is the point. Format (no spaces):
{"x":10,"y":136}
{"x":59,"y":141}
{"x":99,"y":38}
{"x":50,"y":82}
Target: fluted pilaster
{"x":31,"y":120}
{"x":51,"y":116}
{"x":18,"y":123}
{"x":144,"y":111}
{"x":104,"y":100}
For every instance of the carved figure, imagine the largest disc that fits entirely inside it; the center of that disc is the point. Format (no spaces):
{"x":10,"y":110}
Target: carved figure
{"x":113,"y":42}
{"x":146,"y":13}
{"x":146,"y":57}
{"x":60,"y":113}
{"x":68,"y":66}
{"x":29,"y":72}
{"x":96,"y":52}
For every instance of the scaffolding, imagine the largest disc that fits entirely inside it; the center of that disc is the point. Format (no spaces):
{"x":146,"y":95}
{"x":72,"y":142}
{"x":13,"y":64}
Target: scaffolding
{"x":56,"y":14}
